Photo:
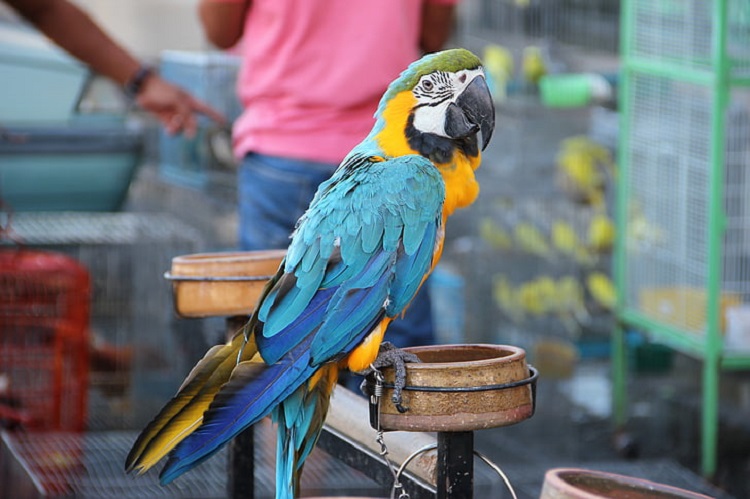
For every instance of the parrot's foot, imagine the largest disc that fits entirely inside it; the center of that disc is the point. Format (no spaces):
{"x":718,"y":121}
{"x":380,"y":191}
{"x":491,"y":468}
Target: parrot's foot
{"x":389,"y":355}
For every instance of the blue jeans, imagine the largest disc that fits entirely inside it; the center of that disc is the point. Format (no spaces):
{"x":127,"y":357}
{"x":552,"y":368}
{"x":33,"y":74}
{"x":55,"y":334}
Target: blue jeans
{"x":273,"y":192}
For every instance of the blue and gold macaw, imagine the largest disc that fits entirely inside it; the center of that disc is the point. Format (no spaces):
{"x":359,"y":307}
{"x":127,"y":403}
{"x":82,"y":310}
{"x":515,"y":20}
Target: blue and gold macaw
{"x":357,"y":257}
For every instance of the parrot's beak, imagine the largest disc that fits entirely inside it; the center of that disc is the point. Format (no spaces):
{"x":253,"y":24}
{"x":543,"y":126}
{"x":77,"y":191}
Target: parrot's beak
{"x":473,"y":112}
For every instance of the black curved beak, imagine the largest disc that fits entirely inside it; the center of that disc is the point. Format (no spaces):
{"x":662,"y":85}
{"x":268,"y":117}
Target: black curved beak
{"x":473,"y":112}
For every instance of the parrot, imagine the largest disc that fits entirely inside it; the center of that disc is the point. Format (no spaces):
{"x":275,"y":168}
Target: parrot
{"x":566,"y":241}
{"x":497,"y":237}
{"x":531,"y":240}
{"x":498,"y":65}
{"x":507,"y":298}
{"x":601,"y":233}
{"x":570,"y":306}
{"x":537,"y":296}
{"x":368,"y":240}
{"x":583,"y":166}
{"x":533,"y":65}
{"x":602,"y":290}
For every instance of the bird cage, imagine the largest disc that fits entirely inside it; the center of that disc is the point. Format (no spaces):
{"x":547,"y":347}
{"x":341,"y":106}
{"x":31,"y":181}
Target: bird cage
{"x":592,"y":24}
{"x":44,"y":326}
{"x":682,"y":267}
{"x":139,"y":349}
{"x":531,"y":256}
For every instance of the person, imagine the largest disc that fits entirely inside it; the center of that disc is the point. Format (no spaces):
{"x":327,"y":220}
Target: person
{"x":311,"y":78}
{"x":72,"y":29}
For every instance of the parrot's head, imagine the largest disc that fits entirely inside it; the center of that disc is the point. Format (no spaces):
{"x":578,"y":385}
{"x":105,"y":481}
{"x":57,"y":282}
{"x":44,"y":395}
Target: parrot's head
{"x":440,"y":107}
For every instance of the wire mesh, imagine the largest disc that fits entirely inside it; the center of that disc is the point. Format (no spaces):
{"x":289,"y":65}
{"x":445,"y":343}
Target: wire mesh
{"x":44,"y":320}
{"x":589,"y":24}
{"x":44,"y":373}
{"x":90,"y":465}
{"x":140,"y":350}
{"x":678,"y":31}
{"x":684,"y":32}
{"x":736,"y":247}
{"x":738,"y":37}
{"x":668,"y":185}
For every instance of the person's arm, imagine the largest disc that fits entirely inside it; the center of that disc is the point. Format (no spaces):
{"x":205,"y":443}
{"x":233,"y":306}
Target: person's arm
{"x":72,"y":29}
{"x":437,"y":25}
{"x":223,"y":20}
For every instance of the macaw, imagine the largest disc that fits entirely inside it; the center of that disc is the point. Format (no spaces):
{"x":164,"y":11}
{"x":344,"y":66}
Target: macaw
{"x":370,"y":237}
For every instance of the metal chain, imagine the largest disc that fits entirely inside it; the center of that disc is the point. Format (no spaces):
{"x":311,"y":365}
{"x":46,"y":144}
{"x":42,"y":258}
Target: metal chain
{"x":375,"y":398}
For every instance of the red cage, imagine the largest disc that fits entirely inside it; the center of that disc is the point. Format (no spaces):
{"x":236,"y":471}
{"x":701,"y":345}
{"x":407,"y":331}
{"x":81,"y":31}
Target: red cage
{"x":44,"y":322}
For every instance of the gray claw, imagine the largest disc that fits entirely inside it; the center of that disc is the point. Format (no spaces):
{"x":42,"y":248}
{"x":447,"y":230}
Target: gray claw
{"x":389,"y":355}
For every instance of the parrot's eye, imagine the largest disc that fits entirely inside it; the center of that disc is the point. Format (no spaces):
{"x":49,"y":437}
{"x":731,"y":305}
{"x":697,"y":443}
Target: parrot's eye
{"x":427,"y":85}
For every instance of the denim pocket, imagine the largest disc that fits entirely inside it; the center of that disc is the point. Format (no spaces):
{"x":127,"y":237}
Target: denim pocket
{"x":272,"y":194}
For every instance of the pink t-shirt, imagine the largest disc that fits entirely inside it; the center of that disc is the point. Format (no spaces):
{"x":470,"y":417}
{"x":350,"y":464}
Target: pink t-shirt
{"x":313,"y":72}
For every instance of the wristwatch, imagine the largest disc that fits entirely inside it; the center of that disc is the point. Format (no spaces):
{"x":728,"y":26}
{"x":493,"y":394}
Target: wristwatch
{"x":134,"y":85}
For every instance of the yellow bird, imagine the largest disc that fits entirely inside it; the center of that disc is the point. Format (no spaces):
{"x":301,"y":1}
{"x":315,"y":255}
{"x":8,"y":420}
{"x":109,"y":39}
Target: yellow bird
{"x":583,"y":166}
{"x":530,"y":239}
{"x":506,"y":299}
{"x":494,"y":235}
{"x":571,"y":304}
{"x":537,"y":296}
{"x":566,"y":241}
{"x":564,"y":238}
{"x":533,"y":66}
{"x":499,"y":66}
{"x":601,"y":233}
{"x":602,"y":290}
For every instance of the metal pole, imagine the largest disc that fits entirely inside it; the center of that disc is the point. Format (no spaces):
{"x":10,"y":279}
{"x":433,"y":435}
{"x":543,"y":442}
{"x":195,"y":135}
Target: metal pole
{"x":241,"y":482}
{"x":455,"y":465}
{"x":716,"y":229}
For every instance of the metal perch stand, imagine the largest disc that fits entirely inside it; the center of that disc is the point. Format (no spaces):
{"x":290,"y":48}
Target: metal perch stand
{"x":455,"y":390}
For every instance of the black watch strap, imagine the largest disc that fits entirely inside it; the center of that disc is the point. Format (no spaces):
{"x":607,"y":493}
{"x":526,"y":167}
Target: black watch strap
{"x":134,"y":85}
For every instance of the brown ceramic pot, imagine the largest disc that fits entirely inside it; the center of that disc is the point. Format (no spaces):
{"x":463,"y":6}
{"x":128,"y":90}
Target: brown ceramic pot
{"x":221,"y":284}
{"x":574,"y":483}
{"x":471,"y":389}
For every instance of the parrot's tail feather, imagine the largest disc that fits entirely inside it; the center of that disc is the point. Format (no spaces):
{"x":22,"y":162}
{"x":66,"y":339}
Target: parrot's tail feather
{"x":300,"y":419}
{"x":251,"y":393}
{"x":184,"y":412}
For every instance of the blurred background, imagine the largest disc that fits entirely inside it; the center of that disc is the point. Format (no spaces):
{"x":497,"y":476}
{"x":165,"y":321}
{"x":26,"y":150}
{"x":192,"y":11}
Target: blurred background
{"x":610,"y":241}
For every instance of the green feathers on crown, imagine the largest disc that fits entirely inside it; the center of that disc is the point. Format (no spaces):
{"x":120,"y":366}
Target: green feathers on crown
{"x":448,"y":60}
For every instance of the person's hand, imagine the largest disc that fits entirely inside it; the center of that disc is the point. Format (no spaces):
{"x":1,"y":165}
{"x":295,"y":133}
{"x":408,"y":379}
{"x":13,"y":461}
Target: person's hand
{"x":173,"y":107}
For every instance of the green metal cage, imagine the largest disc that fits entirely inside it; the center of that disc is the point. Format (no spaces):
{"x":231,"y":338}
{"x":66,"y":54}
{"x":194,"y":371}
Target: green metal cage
{"x":682,"y":260}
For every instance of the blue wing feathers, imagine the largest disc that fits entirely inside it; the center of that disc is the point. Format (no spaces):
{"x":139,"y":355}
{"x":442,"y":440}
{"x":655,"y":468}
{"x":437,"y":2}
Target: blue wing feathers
{"x":409,"y":274}
{"x":272,"y":350}
{"x":403,"y":211}
{"x":349,"y":320}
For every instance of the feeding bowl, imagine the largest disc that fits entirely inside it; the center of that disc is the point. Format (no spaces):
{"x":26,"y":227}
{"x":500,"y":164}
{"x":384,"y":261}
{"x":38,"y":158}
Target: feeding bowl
{"x":461,"y":388}
{"x":221,"y":284}
{"x":575,"y":483}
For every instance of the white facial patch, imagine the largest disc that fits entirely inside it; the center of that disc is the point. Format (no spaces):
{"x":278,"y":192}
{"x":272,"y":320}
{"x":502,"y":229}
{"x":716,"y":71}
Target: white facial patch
{"x":434,"y":93}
